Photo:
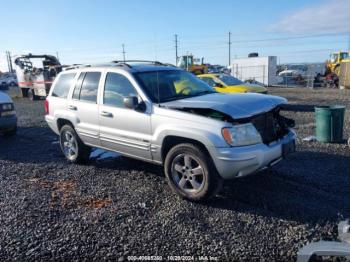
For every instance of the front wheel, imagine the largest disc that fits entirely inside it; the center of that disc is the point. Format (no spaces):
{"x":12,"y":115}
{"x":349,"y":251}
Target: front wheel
{"x":191,"y":173}
{"x":72,"y":147}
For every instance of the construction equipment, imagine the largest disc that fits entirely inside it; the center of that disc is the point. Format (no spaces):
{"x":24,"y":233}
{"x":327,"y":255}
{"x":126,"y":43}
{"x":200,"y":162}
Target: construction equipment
{"x":333,"y":64}
{"x":36,"y":73}
{"x":193,"y":65}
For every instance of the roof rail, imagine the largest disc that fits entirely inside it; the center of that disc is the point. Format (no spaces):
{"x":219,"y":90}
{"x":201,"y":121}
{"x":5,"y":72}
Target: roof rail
{"x":75,"y":66}
{"x":126,"y":62}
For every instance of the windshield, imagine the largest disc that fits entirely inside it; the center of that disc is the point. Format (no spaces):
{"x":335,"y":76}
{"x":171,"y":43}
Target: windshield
{"x":163,"y":86}
{"x":344,"y":55}
{"x":230,"y":80}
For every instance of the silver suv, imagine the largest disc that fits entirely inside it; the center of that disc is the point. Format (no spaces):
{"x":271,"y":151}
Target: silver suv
{"x":164,"y":115}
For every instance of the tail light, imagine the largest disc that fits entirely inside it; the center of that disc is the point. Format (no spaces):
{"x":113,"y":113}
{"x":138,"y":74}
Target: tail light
{"x":46,"y":107}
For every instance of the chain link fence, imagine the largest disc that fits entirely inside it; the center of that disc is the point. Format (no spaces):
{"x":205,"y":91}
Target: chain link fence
{"x":310,"y":76}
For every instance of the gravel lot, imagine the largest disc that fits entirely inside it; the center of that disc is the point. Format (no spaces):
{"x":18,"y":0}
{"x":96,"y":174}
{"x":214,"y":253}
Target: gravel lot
{"x":115,"y":207}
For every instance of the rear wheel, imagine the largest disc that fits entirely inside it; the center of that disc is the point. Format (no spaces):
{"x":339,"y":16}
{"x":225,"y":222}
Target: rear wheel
{"x":72,"y":147}
{"x":31,"y":95}
{"x":191,"y":173}
{"x":24,"y":92}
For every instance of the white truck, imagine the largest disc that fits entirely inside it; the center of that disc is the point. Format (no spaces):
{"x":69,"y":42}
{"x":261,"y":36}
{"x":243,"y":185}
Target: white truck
{"x":35,"y":74}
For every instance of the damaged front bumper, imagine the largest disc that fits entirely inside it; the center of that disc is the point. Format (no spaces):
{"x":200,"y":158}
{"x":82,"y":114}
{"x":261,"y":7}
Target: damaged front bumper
{"x":235,"y":162}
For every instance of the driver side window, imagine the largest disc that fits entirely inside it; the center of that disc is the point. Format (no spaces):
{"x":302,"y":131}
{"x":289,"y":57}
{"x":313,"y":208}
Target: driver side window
{"x":209,"y":81}
{"x":116,"y":88}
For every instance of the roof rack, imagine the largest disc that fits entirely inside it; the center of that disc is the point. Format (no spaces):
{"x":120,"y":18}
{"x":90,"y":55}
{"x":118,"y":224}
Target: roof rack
{"x":116,"y":63}
{"x":74,"y":66}
{"x":126,"y":62}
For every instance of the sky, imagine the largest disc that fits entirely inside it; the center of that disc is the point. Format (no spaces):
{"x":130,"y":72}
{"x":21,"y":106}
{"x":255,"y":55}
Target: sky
{"x":94,"y":31}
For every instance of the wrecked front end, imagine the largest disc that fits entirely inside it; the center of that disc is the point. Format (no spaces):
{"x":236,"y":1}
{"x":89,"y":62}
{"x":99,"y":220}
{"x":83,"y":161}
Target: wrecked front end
{"x":271,"y":125}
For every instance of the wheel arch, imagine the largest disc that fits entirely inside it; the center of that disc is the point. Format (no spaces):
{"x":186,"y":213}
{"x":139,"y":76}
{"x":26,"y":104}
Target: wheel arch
{"x":172,"y":140}
{"x":62,"y":121}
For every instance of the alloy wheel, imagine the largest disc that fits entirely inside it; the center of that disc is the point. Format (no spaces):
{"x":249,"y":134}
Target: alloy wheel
{"x":70,"y":145}
{"x":187,"y":173}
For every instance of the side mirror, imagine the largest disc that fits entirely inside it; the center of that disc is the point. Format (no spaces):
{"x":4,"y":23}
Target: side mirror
{"x":219,"y":85}
{"x":131,"y":102}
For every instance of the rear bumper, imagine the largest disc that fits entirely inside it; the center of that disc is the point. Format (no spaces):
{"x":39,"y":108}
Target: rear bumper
{"x":8,"y":123}
{"x":50,"y":120}
{"x":235,"y":162}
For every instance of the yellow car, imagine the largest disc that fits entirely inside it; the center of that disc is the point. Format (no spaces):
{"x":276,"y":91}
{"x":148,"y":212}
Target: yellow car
{"x":228,"y":84}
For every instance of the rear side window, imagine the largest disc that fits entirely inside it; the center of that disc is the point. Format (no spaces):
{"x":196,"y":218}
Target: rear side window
{"x":77,"y":88}
{"x":62,"y":86}
{"x":87,"y":91}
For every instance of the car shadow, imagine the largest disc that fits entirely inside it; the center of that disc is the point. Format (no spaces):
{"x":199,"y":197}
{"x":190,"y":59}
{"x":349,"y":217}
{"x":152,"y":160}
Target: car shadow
{"x":308,"y":187}
{"x":36,"y":144}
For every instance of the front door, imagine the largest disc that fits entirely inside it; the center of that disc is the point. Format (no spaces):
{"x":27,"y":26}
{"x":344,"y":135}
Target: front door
{"x":121,"y":129}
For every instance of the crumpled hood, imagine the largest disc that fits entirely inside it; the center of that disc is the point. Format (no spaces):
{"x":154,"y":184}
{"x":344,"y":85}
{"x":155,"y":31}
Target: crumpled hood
{"x":236,"y":105}
{"x":4,"y":98}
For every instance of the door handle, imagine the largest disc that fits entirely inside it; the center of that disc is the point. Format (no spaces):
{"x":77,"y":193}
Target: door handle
{"x":106,"y":114}
{"x":70,"y":107}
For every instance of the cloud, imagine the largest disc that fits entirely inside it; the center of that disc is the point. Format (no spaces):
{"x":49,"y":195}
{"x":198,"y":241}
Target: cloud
{"x":328,"y":17}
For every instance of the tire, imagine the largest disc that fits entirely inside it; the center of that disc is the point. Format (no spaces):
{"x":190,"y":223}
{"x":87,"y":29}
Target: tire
{"x":11,"y":132}
{"x":24,"y":92}
{"x":191,"y":173}
{"x":31,"y":95}
{"x":72,"y":147}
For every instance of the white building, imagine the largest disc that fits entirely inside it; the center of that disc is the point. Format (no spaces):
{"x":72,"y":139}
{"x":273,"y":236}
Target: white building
{"x":261,"y":69}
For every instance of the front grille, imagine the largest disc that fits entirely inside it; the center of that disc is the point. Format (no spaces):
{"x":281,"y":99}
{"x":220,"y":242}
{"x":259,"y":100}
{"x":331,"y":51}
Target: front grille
{"x":270,"y":125}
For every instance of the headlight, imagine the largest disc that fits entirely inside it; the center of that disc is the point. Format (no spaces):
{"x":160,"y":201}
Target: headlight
{"x":241,"y":135}
{"x":7,"y":107}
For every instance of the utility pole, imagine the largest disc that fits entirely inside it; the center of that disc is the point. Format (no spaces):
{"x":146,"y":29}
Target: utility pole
{"x":176,"y":56}
{"x":229,"y":48}
{"x":349,"y":43}
{"x":123,"y":52}
{"x":9,"y":61}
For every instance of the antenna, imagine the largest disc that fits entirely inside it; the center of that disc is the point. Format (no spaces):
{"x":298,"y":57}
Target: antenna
{"x":229,"y":48}
{"x":176,"y":56}
{"x":123,"y":52}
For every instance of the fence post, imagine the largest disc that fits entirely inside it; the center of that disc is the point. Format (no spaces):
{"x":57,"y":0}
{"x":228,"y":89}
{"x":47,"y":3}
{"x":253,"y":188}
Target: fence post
{"x":264,"y":75}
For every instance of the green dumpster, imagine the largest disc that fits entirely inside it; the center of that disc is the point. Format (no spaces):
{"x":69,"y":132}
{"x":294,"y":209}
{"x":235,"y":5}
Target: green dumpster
{"x":329,"y":123}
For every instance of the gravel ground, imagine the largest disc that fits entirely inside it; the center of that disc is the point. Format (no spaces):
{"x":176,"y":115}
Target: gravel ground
{"x":116,"y":207}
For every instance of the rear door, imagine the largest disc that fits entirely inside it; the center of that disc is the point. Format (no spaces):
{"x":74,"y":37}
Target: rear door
{"x":84,"y":105}
{"x":121,"y":129}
